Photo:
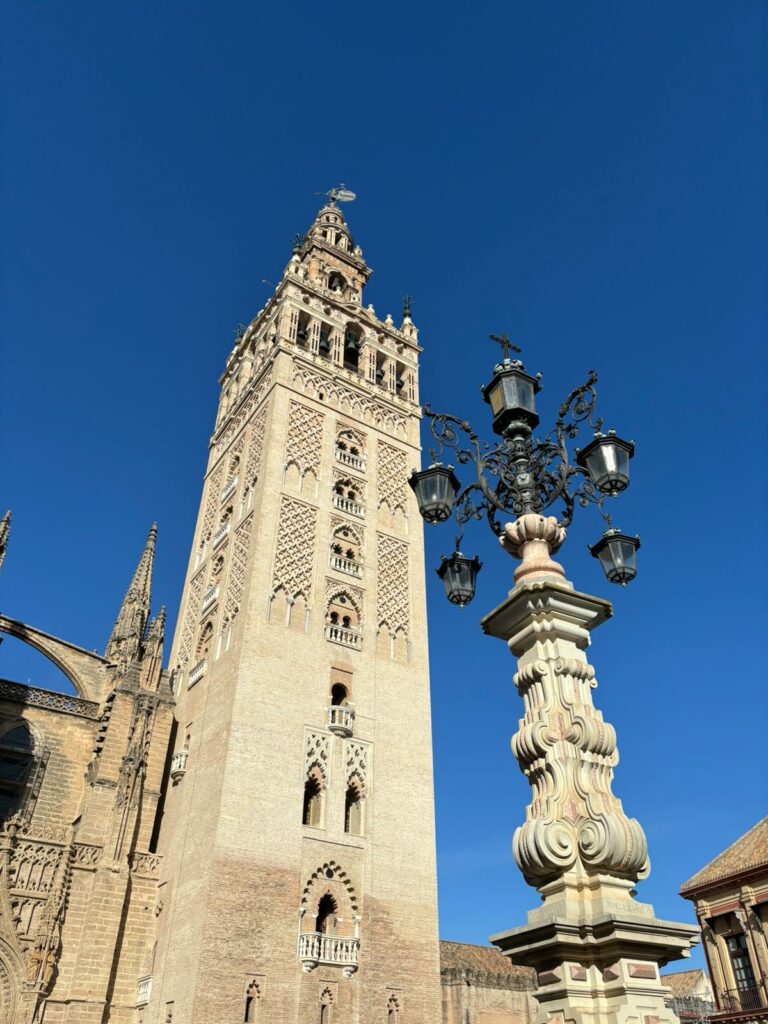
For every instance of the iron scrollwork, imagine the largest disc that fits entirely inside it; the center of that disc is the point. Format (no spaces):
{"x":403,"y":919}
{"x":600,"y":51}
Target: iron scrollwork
{"x":522,"y":473}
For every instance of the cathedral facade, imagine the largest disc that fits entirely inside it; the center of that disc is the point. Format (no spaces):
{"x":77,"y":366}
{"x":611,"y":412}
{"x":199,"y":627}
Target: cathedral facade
{"x":248,"y":836}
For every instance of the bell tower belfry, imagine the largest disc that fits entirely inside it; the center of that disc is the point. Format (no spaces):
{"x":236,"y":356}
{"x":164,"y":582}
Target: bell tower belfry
{"x":298,"y":879}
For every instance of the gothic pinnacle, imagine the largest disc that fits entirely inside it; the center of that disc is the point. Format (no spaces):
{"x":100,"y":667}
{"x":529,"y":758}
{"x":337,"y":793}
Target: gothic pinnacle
{"x":134,"y":611}
{"x":5,"y":530}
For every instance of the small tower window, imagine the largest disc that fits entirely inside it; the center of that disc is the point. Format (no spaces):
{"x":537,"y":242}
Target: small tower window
{"x":339,"y":695}
{"x":326,"y":915}
{"x":313,"y":797}
{"x":302,"y":331}
{"x":353,"y":809}
{"x":252,"y":1000}
{"x":324,"y":345}
{"x":352,"y":344}
{"x":337,"y":283}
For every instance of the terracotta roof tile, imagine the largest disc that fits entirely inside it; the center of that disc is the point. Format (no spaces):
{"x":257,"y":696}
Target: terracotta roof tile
{"x":748,"y":852}
{"x":682,"y":983}
{"x":483,"y":959}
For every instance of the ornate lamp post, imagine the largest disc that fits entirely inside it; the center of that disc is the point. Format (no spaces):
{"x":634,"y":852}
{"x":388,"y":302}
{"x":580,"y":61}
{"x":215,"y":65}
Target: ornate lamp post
{"x":595,"y":949}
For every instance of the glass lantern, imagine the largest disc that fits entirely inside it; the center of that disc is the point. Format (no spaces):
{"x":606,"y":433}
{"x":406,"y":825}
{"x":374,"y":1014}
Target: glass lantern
{"x":459,"y":576}
{"x":435,"y":488}
{"x":606,"y":459}
{"x":512,"y":397}
{"x":617,"y":553}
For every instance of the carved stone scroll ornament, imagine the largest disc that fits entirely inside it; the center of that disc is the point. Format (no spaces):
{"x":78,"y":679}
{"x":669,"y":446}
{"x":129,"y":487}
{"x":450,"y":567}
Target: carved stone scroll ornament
{"x":568,"y":753}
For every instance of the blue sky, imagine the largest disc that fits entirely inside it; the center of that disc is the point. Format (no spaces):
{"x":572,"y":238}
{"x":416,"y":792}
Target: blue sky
{"x":587,"y":176}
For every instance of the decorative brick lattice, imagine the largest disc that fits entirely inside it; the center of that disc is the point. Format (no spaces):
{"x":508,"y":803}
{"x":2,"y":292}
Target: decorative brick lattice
{"x":356,"y":761}
{"x":212,"y":502}
{"x":392,"y":602}
{"x":305,"y":438}
{"x":294,"y":553}
{"x":347,"y":399}
{"x":317,"y":751}
{"x":194,"y":595}
{"x":236,"y":579}
{"x":235,"y":421}
{"x":255,"y":448}
{"x":392,"y":478}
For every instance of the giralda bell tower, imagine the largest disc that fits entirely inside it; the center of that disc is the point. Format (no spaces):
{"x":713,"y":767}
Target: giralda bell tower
{"x":298,"y":873}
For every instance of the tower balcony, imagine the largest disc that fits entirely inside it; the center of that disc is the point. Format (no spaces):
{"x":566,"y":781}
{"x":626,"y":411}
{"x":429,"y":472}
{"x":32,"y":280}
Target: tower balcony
{"x":331,"y":950}
{"x":340,"y":719}
{"x":210,"y":598}
{"x":179,"y":765}
{"x":229,"y":489}
{"x":347,"y":565}
{"x":221,"y":534}
{"x":144,"y":991}
{"x":352,"y":461}
{"x":344,"y":636}
{"x":197,"y":671}
{"x":347,"y":505}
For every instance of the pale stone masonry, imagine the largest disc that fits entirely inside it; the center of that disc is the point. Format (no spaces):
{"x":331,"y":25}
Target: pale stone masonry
{"x":80,"y":786}
{"x":298,"y":874}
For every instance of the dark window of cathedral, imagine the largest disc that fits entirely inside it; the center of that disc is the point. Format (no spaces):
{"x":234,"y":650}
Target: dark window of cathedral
{"x":17,"y":756}
{"x":324,"y":346}
{"x":252,"y":998}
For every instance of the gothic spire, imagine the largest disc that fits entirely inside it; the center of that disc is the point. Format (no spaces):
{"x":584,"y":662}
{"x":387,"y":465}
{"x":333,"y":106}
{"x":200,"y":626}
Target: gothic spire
{"x":5,"y":530}
{"x":128,"y":632}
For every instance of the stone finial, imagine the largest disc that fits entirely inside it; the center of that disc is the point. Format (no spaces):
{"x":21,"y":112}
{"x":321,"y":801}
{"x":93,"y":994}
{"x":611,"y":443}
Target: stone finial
{"x":533,"y":538}
{"x":5,"y":530}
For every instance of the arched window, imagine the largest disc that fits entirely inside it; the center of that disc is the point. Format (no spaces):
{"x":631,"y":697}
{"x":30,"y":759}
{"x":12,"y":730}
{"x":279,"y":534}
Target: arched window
{"x":393,"y":1010}
{"x":326,"y":915}
{"x":313,"y":801}
{"x":302,"y":331}
{"x":252,"y":1000}
{"x":339,"y":695}
{"x":353,"y":337}
{"x":324,"y":343}
{"x":17,"y":758}
{"x":353,"y":809}
{"x":204,"y":643}
{"x":326,"y":1003}
{"x":337,"y":283}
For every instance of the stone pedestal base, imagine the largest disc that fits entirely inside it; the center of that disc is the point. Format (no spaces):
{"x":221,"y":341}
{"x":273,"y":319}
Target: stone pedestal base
{"x":598,"y":962}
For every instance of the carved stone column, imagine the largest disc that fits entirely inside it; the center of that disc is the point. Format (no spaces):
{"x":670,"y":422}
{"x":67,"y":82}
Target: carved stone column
{"x":596,"y":950}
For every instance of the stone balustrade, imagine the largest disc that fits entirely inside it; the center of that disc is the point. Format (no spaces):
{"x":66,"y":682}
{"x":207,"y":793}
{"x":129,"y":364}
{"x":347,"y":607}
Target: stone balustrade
{"x":353,"y":508}
{"x":335,"y":950}
{"x":144,"y":991}
{"x":210,"y":598}
{"x":340,"y":719}
{"x":179,"y":764}
{"x":347,"y":565}
{"x":221,"y":534}
{"x":197,"y":671}
{"x":344,"y":636}
{"x":348,"y":459}
{"x":229,"y":488}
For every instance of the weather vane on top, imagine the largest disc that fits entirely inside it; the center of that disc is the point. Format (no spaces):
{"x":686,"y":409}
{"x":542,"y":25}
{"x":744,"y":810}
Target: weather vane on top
{"x":339,"y":194}
{"x":506,"y":344}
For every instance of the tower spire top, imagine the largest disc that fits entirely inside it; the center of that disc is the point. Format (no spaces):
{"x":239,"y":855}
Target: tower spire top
{"x":130,"y":625}
{"x":5,"y":530}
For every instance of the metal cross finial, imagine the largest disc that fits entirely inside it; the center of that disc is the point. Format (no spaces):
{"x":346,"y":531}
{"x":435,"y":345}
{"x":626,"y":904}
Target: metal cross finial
{"x":407,"y":306}
{"x":506,"y":344}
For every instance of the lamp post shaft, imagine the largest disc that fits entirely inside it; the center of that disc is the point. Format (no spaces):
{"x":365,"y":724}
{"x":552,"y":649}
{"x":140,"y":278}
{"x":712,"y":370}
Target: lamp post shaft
{"x":595,"y":949}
